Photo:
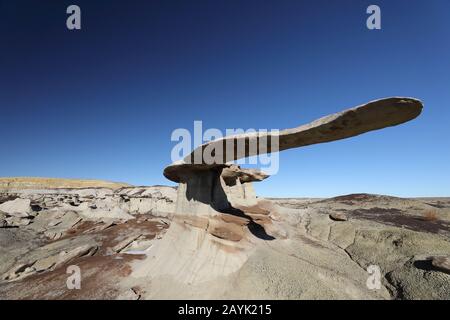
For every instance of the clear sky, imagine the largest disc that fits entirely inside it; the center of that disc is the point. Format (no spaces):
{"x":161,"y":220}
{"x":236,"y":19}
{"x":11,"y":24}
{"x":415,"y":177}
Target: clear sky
{"x":102,"y":102}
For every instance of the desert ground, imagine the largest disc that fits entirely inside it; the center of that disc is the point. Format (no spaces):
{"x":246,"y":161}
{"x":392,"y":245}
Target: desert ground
{"x":128,"y":244}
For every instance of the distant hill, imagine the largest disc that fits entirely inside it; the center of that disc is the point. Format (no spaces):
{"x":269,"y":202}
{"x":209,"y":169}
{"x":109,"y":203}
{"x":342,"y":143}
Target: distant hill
{"x":56,"y":183}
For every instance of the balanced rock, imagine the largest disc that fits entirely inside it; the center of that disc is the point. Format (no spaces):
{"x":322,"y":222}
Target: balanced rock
{"x":218,"y":218}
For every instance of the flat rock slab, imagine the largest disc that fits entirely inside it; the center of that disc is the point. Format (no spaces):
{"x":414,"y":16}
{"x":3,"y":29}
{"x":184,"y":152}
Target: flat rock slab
{"x":338,"y":216}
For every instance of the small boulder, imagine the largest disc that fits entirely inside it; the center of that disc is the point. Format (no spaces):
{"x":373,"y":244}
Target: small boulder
{"x":441,"y":263}
{"x":338,"y":216}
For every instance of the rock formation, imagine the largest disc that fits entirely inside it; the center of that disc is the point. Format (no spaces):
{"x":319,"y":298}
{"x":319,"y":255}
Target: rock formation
{"x":217,"y":211}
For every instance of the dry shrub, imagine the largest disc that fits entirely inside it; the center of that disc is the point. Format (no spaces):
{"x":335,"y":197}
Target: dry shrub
{"x":430,"y":215}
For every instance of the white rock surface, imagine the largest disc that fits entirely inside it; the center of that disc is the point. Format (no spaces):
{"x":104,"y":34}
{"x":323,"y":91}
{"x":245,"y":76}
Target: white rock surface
{"x":18,"y":207}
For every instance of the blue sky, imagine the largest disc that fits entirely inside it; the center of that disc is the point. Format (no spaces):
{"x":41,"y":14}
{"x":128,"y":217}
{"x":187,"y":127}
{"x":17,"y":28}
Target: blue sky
{"x":102,"y":102}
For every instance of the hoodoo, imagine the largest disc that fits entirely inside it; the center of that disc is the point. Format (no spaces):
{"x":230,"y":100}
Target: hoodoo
{"x":218,"y":217}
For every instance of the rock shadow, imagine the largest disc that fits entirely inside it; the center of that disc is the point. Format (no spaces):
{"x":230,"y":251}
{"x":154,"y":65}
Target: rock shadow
{"x":425,"y":265}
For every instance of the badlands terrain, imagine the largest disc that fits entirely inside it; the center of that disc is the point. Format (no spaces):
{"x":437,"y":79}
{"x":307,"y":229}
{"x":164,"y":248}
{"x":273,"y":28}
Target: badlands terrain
{"x":128,"y":244}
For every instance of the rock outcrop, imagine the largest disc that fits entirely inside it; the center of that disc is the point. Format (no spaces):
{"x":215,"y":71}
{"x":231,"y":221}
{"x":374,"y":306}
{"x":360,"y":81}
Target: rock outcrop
{"x":90,"y":202}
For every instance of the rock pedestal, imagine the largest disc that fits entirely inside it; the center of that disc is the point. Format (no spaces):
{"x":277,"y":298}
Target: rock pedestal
{"x":210,"y":235}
